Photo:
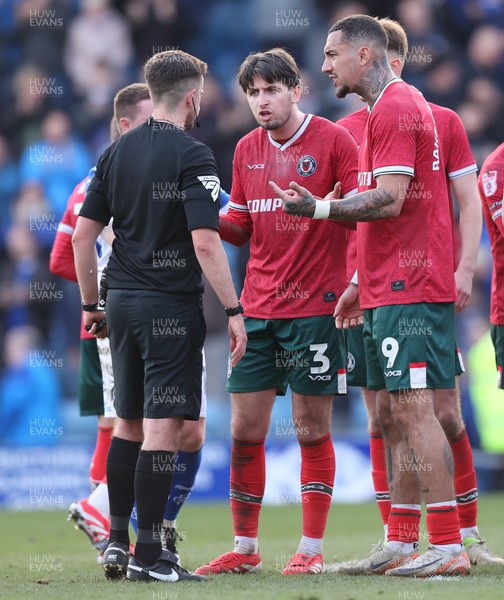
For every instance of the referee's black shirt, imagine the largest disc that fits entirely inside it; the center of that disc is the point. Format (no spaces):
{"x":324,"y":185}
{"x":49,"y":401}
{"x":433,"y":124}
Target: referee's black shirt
{"x":158,"y":183}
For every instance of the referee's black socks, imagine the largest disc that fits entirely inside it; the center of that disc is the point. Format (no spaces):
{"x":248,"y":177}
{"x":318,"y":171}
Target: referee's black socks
{"x":152,"y":488}
{"x":121,"y":462}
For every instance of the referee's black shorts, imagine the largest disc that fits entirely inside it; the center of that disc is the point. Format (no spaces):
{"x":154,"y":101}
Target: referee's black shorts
{"x":156,"y":342}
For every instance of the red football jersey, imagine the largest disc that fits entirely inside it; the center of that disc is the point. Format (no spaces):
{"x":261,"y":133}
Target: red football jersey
{"x":455,"y":148}
{"x":297,"y":265}
{"x":355,"y":122}
{"x":62,"y":257}
{"x":407,"y":259}
{"x":491,"y":187}
{"x":457,"y":155}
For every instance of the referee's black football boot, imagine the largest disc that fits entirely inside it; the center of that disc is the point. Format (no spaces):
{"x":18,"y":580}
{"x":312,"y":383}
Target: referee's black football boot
{"x":115,"y":560}
{"x":164,"y":569}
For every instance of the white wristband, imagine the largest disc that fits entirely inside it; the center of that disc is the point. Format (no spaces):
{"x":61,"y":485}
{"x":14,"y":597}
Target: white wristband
{"x":322,"y":209}
{"x":355,"y":278}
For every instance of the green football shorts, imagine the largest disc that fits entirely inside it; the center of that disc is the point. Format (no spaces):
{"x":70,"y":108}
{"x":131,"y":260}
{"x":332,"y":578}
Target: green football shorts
{"x":307,"y":353}
{"x":410,"y":346}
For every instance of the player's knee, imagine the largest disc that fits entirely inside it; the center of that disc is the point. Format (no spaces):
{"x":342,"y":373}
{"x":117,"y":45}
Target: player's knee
{"x":382,"y":419}
{"x":245,"y":429}
{"x":374,"y":422}
{"x":450,"y":420}
{"x":129,"y":429}
{"x":446,"y":408}
{"x":402,"y":417}
{"x":192,"y":439}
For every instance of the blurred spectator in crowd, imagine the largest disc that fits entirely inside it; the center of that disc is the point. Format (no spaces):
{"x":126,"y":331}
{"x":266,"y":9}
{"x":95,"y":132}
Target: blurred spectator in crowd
{"x":486,"y":52}
{"x":41,"y":29}
{"x":10,"y":47}
{"x":28,"y":291}
{"x":464,"y":15}
{"x":444,"y":81}
{"x":32,"y":209}
{"x":56,"y":161}
{"x":29,"y":100}
{"x":9,"y":185}
{"x":98,"y":56}
{"x":230,"y":32}
{"x":29,"y":391}
{"x":427,"y":42}
{"x":158,"y":25}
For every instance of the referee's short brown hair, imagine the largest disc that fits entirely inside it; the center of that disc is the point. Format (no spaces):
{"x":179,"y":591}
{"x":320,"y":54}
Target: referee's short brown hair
{"x":172,"y":73}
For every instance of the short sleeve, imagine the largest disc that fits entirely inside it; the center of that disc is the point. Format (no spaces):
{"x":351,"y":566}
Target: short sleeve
{"x":491,"y":185}
{"x":200,"y":186}
{"x":393,"y":140}
{"x":95,"y":205}
{"x":460,"y":160}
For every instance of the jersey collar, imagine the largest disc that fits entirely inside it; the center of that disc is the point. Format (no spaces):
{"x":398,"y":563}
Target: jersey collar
{"x":296,"y":136}
{"x":395,"y":80}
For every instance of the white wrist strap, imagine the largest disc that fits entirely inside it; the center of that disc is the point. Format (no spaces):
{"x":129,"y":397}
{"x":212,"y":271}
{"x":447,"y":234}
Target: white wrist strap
{"x":322,"y":209}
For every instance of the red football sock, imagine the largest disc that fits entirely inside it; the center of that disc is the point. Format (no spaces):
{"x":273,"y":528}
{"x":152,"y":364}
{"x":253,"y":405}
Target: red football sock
{"x":247,"y":481}
{"x":98,"y":468}
{"x":443,"y":523}
{"x":466,"y":487}
{"x":318,"y":468}
{"x":379,"y":474}
{"x":404,"y":524}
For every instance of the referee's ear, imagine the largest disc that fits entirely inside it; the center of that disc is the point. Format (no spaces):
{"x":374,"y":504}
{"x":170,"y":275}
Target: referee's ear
{"x":190,"y":97}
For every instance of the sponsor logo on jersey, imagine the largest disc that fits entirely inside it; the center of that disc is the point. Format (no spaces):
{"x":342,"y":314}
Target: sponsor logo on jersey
{"x":212,"y":184}
{"x":306,"y":165}
{"x":264,"y":205}
{"x":364,"y":178}
{"x":258,"y":166}
{"x":490,"y":183}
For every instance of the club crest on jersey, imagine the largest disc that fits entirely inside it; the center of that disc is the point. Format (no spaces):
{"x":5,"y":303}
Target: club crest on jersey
{"x":490,"y":183}
{"x":306,"y":165}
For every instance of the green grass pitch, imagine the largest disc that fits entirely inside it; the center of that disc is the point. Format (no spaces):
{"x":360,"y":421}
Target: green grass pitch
{"x":43,"y":556}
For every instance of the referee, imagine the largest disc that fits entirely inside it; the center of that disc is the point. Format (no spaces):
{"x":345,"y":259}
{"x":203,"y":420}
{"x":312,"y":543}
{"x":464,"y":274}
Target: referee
{"x":161,"y":187}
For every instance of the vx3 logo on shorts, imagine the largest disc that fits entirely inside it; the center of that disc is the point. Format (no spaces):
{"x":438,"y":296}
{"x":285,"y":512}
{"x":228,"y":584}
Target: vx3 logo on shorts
{"x":392,"y":373}
{"x":320,"y":377}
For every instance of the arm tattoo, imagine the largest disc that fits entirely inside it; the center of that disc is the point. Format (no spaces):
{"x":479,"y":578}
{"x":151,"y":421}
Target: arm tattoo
{"x":304,"y":207}
{"x":367,"y":206}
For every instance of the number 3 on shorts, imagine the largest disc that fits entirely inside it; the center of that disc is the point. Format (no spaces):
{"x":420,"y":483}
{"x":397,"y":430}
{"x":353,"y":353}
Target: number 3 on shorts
{"x":390,"y":348}
{"x":320,"y":357}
